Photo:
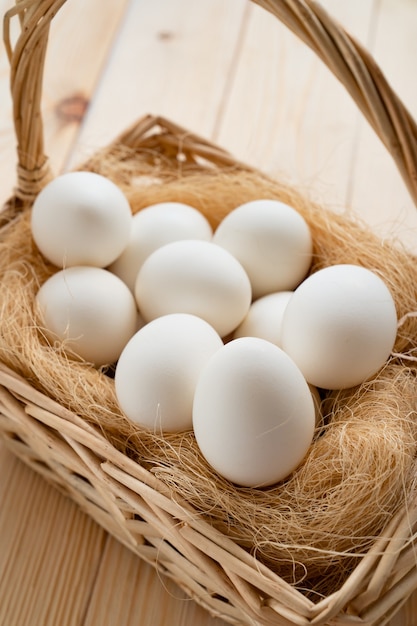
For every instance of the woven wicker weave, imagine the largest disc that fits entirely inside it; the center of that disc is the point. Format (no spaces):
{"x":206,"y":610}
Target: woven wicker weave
{"x":119,"y":494}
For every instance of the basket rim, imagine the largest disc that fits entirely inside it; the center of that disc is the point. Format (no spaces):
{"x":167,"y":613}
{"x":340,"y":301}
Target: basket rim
{"x":366,"y":592}
{"x":372,"y":589}
{"x":354,"y":67}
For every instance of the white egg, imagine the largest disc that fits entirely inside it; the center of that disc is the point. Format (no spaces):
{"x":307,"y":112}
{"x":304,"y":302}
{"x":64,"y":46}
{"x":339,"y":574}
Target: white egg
{"x":81,"y":218}
{"x":154,"y":227}
{"x":195,"y":277}
{"x":340,"y":326}
{"x":253,"y":413}
{"x":264,"y":318}
{"x":271,"y":240}
{"x":158,"y":370}
{"x":90,"y":310}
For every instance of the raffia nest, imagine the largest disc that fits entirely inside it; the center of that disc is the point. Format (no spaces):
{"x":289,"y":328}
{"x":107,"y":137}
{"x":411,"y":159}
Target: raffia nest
{"x":312,"y":528}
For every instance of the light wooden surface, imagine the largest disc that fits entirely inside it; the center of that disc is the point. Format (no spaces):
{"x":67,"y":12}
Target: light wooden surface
{"x":229,"y":71}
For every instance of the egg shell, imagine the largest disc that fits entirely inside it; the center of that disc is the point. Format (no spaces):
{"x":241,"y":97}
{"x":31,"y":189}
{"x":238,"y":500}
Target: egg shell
{"x":153,"y":227}
{"x":340,"y":326}
{"x":271,"y":240}
{"x":253,"y":413}
{"x":264,"y":318}
{"x":158,"y":370}
{"x":196,"y":277}
{"x":81,"y":218}
{"x":89,"y":309}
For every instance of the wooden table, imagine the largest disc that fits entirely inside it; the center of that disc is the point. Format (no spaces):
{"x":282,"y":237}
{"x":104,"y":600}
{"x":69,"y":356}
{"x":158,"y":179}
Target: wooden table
{"x":229,"y":71}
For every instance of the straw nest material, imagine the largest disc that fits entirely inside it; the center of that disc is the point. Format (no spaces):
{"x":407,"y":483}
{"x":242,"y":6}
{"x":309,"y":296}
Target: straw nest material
{"x":311,"y":528}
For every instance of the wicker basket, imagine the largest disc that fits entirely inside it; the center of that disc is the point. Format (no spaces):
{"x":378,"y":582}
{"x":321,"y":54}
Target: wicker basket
{"x":119,"y":494}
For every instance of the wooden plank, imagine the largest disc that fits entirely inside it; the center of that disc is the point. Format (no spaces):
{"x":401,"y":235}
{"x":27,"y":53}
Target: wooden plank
{"x":377,"y":189}
{"x":128,"y":592}
{"x":49,"y":551}
{"x":286,"y":113}
{"x":81,"y":36}
{"x":172,"y":59}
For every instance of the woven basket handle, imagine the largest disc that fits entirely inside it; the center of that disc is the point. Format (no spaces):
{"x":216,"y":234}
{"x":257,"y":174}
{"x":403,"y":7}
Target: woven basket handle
{"x":344,"y":56}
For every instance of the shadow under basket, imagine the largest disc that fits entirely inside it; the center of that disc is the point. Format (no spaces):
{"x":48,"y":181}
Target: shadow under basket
{"x":334,"y":543}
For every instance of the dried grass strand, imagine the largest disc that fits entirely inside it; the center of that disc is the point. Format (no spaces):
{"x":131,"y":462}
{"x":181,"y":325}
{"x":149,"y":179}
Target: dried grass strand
{"x":313,"y":528}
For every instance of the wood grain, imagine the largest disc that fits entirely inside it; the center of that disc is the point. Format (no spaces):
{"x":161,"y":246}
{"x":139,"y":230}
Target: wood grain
{"x":375,"y":187}
{"x":284,"y":87}
{"x":77,"y":54}
{"x":138,"y":595}
{"x":171,"y":59}
{"x":228,"y":71}
{"x":48,"y":559}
